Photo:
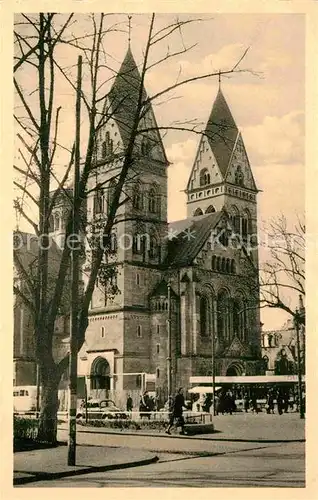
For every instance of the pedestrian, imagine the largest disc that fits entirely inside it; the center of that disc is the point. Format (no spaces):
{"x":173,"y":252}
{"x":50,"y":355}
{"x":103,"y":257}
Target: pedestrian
{"x":270,"y":403}
{"x":144,"y":406}
{"x":246,"y":403}
{"x":129,"y":403}
{"x":280,"y":402}
{"x":177,"y":412}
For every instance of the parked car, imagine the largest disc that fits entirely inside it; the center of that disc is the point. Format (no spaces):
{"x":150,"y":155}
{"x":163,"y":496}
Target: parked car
{"x":100,"y":409}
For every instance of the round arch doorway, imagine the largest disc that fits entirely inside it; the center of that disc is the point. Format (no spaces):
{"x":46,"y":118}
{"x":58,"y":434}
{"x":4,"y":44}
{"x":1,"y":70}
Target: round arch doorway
{"x":234,"y":370}
{"x":100,"y":375}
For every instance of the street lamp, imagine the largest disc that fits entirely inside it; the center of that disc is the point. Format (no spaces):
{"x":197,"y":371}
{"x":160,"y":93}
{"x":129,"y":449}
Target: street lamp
{"x":169,"y":375}
{"x":298,"y":322}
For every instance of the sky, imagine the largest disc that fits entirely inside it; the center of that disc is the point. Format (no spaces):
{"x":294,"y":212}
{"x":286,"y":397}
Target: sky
{"x":267,"y":99}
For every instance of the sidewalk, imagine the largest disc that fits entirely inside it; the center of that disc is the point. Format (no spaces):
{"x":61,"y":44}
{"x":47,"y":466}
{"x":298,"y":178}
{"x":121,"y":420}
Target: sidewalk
{"x":51,"y":463}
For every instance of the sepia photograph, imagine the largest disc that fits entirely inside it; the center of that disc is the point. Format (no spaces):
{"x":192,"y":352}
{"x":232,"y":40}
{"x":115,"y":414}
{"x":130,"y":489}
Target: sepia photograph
{"x":159,"y":240}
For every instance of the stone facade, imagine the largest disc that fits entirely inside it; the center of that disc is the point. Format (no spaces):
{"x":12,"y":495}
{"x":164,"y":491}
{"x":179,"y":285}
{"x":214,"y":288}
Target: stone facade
{"x":199,"y":274}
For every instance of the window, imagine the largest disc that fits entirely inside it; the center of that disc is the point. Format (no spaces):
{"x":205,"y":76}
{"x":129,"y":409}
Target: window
{"x":152,"y":201}
{"x":113,"y":243}
{"x":157,"y":372}
{"x":204,"y":316}
{"x":204,"y":177}
{"x":210,"y":209}
{"x":102,"y":331}
{"x":198,"y":212}
{"x":138,"y":244}
{"x":139,"y":331}
{"x":153,"y":247}
{"x":137,"y":279}
{"x":99,"y":201}
{"x":213,"y":262}
{"x":239,"y":177}
{"x":233,"y":267}
{"x":158,"y":347}
{"x":137,"y":198}
{"x":111,"y":192}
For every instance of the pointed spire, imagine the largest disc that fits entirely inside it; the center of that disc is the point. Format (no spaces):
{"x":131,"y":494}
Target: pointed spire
{"x":221,"y":130}
{"x":123,"y":96}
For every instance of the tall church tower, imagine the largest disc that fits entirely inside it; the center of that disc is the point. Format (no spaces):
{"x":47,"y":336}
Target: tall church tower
{"x":221,"y":175}
{"x":139,"y":243}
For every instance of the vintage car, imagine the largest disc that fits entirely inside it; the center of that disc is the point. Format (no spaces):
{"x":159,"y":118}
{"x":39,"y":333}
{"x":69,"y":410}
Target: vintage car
{"x":99,"y":409}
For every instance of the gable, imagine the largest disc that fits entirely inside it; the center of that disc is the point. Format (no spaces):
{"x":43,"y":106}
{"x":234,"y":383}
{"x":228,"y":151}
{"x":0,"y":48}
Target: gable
{"x":239,"y":163}
{"x":205,"y":159}
{"x":236,"y":349}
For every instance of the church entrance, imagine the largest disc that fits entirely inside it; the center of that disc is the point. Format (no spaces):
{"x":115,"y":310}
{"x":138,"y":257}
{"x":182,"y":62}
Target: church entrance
{"x":234,"y":370}
{"x":100,"y":377}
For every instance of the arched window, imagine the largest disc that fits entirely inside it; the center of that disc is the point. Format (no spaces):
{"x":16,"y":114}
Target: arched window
{"x":235,"y":219}
{"x":153,"y":201}
{"x":238,"y":327}
{"x":223,"y":265}
{"x":137,"y":197}
{"x":197,"y":212}
{"x":233,"y":266}
{"x":153,"y":247}
{"x":111,"y":192}
{"x":204,"y":311}
{"x":222,"y":314}
{"x":205,"y":177}
{"x":210,"y":209}
{"x":113,"y":243}
{"x":228,"y":265}
{"x":218,"y":264}
{"x":239,"y":177}
{"x":99,"y":201}
{"x":138,"y":247}
{"x":213,"y":262}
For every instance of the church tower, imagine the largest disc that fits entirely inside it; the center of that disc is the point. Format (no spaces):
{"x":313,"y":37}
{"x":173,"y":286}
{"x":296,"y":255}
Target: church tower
{"x":139,"y":243}
{"x":221,"y":175}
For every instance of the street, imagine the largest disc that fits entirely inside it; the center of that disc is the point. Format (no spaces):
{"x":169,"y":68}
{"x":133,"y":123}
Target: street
{"x":264,"y":466}
{"x":204,"y":461}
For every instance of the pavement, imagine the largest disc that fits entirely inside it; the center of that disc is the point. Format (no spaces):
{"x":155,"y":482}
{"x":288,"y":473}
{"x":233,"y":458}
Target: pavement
{"x":51,"y":463}
{"x":100,"y":449}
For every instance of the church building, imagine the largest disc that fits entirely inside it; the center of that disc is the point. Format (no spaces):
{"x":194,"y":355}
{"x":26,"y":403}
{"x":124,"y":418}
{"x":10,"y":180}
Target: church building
{"x":195,"y":278}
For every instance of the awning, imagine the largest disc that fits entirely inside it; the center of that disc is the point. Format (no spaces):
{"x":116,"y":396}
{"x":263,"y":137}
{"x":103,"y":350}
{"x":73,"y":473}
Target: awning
{"x":201,"y":389}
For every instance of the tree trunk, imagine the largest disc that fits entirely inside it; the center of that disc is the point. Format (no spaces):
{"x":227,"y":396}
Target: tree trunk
{"x":49,"y":405}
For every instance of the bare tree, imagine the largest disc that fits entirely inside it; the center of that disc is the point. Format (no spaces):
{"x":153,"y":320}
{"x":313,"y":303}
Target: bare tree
{"x":283,"y":274}
{"x":38,"y":42}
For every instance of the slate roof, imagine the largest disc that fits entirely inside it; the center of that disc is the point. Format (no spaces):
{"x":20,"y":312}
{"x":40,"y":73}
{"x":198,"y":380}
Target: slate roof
{"x":123,"y":98}
{"x":189,"y":237}
{"x":222,"y":132}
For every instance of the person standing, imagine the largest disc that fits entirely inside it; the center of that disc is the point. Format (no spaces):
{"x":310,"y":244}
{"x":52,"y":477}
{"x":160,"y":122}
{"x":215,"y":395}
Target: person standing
{"x":129,"y":403}
{"x":177,"y":412}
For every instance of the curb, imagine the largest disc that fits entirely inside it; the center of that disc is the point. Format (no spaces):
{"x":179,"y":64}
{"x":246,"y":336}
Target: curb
{"x":178,"y":436}
{"x":41,"y":476}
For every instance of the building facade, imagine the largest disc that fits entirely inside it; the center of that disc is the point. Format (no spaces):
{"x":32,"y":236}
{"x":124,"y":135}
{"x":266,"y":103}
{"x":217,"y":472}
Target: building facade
{"x":197,"y":276}
{"x":191,"y":273}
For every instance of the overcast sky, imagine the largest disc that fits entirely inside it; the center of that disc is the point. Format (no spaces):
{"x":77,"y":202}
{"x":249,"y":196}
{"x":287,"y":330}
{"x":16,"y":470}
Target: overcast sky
{"x":267,"y":102}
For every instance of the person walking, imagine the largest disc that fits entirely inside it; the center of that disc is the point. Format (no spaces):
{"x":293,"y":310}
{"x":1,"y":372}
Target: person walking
{"x":177,"y":412}
{"x":144,"y":405}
